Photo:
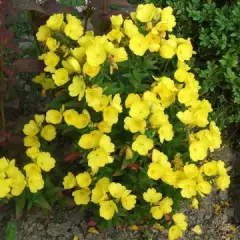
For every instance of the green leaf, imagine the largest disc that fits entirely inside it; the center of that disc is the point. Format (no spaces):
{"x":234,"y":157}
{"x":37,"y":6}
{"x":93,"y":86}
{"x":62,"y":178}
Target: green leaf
{"x":20,"y":204}
{"x":51,"y":194}
{"x":11,"y":232}
{"x":41,"y":202}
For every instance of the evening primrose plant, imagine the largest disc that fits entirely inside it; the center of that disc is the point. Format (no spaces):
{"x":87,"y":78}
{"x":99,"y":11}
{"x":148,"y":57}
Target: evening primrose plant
{"x":127,"y":110}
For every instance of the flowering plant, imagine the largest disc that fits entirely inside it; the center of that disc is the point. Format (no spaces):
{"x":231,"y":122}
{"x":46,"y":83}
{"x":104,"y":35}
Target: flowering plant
{"x":127,"y":112}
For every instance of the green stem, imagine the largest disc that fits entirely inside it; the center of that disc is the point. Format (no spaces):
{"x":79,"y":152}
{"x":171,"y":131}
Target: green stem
{"x":34,"y":32}
{"x":2,"y":112}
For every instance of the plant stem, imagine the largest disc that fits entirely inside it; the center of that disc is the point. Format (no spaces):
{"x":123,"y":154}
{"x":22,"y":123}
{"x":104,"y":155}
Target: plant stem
{"x":34,"y":32}
{"x":105,"y":7}
{"x":2,"y":112}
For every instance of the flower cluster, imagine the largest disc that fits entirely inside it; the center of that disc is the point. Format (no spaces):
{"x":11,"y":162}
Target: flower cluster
{"x":12,"y":180}
{"x":142,"y":137}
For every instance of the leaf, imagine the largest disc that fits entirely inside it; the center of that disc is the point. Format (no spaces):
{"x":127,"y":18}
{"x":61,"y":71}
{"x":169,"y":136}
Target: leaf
{"x":29,"y":65}
{"x":51,"y":194}
{"x":41,"y":202}
{"x":11,"y":232}
{"x":20,"y":204}
{"x":52,"y":6}
{"x":72,"y":156}
{"x":27,"y":5}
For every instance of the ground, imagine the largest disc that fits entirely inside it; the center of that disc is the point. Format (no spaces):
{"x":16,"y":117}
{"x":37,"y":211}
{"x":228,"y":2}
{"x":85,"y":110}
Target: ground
{"x":216,"y":217}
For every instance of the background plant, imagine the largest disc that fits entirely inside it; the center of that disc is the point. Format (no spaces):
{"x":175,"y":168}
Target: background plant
{"x":214,"y":29}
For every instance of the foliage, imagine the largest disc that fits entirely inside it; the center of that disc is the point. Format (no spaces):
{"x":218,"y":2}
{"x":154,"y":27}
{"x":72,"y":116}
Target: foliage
{"x":127,"y":133}
{"x":213,"y":27}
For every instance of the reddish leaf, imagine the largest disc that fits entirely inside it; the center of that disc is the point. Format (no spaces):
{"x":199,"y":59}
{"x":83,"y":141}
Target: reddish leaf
{"x":15,"y":139}
{"x":167,"y":217}
{"x":2,"y":138}
{"x":26,"y":5}
{"x":91,"y":223}
{"x":72,"y":156}
{"x":133,"y":166}
{"x":52,"y":6}
{"x":28,"y":65}
{"x":13,"y":104}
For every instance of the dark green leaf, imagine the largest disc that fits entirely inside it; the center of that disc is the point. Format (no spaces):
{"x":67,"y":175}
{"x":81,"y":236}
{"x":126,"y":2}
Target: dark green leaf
{"x":11,"y":232}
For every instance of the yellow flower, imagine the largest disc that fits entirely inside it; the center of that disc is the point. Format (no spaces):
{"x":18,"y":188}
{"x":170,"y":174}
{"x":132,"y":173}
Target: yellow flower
{"x":103,"y":183}
{"x":31,"y":169}
{"x":166,"y":90}
{"x":70,"y":117}
{"x":145,"y":12}
{"x":180,"y":221}
{"x":204,"y":187}
{"x":135,"y":125}
{"x":104,"y":127}
{"x":51,"y":60}
{"x":191,"y":171}
{"x":52,"y":44}
{"x":129,"y":153}
{"x":197,"y":229}
{"x":73,"y":28}
{"x":174,"y":233}
{"x":139,"y":110}
{"x":223,"y":182}
{"x":43,"y":33}
{"x":155,"y":171}
{"x":97,"y":158}
{"x":139,"y":44}
{"x":69,"y":181}
{"x":221,"y":168}
{"x":55,"y":21}
{"x":169,"y":177}
{"x":168,"y":49}
{"x":168,"y":21}
{"x":35,"y":182}
{"x":82,"y":121}
{"x":60,"y":76}
{"x":95,"y":55}
{"x":189,"y":188}
{"x":158,"y":119}
{"x":98,"y":195}
{"x":142,"y":144}
{"x":79,"y":53}
{"x":181,"y":75}
{"x":116,"y":20}
{"x":39,"y":119}
{"x":5,"y":187}
{"x":210,"y":168}
{"x":30,"y":141}
{"x":166,"y":132}
{"x":195,"y":203}
{"x":128,"y":200}
{"x":45,"y":161}
{"x":83,"y":179}
{"x":152,"y":196}
{"x":131,"y":99}
{"x":184,"y":51}
{"x":115,"y":35}
{"x":77,"y":88}
{"x":48,"y":132}
{"x":187,"y":96}
{"x":82,"y":197}
{"x":116,"y":190}
{"x":120,"y":55}
{"x":107,"y":209}
{"x":33,"y":152}
{"x":157,"y":212}
{"x":160,"y":157}
{"x":18,"y":184}
{"x":91,"y":71}
{"x":130,"y":29}
{"x":110,"y":115}
{"x":31,"y":128}
{"x":105,"y":143}
{"x":90,"y":140}
{"x":3,"y":164}
{"x":53,"y":116}
{"x":72,"y":65}
{"x":198,"y":150}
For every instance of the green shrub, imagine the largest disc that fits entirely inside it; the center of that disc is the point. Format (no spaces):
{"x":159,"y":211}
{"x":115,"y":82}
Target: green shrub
{"x":213,"y":27}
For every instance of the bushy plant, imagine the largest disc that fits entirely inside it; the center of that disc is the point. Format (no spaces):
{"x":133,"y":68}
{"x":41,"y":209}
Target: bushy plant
{"x":127,"y":134}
